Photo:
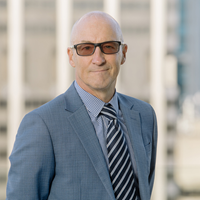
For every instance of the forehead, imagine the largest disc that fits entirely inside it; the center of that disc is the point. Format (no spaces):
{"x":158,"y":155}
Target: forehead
{"x":95,"y":29}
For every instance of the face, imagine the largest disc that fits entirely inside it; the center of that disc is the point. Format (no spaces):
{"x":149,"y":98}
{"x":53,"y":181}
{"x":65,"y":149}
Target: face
{"x":97,"y":73}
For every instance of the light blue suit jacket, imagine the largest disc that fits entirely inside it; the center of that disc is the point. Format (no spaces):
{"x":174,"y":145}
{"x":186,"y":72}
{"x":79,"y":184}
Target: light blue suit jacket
{"x":57,"y":155}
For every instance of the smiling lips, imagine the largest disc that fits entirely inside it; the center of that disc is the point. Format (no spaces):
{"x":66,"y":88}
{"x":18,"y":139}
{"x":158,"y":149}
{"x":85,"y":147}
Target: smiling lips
{"x":100,"y":70}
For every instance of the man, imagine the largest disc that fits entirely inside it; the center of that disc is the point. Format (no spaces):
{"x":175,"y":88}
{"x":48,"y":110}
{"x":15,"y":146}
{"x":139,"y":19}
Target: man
{"x":90,"y":142}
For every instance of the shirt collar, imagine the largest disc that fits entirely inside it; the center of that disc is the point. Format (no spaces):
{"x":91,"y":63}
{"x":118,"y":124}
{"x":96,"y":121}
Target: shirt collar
{"x":92,"y":103}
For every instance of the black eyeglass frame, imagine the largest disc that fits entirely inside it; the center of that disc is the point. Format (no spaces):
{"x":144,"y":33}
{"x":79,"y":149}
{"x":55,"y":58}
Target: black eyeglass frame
{"x":96,"y":45}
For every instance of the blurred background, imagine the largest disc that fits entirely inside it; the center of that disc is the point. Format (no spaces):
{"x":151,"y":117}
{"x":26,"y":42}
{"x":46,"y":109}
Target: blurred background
{"x":162,"y":68}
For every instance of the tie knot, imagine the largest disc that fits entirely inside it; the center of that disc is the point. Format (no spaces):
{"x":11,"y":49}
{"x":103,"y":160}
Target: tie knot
{"x":109,"y":112}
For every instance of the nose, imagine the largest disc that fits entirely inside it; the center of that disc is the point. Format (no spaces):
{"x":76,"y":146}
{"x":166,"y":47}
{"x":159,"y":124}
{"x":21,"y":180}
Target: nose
{"x":98,"y":57}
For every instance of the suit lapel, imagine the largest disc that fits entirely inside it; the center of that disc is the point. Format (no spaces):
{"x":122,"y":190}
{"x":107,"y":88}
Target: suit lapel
{"x":84,"y":129}
{"x":132,"y":120}
{"x":133,"y":124}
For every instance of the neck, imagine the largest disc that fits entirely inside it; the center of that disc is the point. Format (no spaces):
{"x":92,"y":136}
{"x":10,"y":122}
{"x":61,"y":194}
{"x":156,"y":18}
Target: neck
{"x":104,"y":95}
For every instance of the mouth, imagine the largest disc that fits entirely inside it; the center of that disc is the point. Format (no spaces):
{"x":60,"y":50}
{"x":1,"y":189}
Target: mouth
{"x":100,"y":71}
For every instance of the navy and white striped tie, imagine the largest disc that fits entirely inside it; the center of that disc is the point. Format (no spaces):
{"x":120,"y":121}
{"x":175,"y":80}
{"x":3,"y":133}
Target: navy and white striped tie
{"x":120,"y":167}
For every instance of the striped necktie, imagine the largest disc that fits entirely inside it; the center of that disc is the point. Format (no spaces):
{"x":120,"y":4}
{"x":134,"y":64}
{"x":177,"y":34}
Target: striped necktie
{"x":120,"y":167}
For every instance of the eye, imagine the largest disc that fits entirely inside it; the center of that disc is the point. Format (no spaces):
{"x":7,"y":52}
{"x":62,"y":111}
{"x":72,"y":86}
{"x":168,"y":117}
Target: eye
{"x":86,"y":47}
{"x":111,"y":46}
{"x":108,"y":46}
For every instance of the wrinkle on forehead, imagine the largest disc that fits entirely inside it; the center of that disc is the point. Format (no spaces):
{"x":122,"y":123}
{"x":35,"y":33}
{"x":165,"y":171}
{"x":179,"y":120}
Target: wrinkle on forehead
{"x":95,"y":16}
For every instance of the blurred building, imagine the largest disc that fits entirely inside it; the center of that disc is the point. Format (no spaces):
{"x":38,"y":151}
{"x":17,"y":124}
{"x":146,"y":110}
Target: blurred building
{"x":3,"y":99}
{"x":189,"y":49}
{"x":186,"y":154}
{"x":187,"y":148}
{"x":39,"y":65}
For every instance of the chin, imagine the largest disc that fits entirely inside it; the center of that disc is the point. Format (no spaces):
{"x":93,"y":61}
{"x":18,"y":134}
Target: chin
{"x":102,"y":86}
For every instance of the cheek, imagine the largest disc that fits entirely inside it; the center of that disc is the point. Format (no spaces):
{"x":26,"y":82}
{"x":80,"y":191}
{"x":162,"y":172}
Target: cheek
{"x":81,"y":70}
{"x":116,"y":68}
{"x":117,"y":71}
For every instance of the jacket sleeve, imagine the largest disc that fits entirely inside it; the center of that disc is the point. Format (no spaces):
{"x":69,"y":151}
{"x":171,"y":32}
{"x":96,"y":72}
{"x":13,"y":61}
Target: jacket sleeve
{"x":32,"y":161}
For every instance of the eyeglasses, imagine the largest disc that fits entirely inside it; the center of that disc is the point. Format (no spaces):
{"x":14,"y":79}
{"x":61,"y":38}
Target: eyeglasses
{"x":87,"y":49}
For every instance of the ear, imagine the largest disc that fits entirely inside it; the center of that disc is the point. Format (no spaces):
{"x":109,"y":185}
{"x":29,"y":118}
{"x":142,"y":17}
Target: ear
{"x":71,"y":57}
{"x":124,"y":50}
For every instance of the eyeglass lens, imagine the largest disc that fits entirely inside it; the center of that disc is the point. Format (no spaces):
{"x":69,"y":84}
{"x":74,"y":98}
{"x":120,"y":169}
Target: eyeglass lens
{"x":88,"y":48}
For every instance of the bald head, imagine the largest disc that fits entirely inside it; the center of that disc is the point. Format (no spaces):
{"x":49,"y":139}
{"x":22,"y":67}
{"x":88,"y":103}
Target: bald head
{"x":94,"y":20}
